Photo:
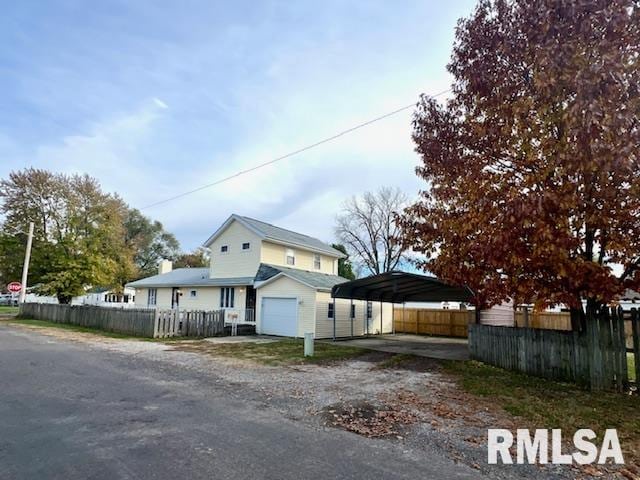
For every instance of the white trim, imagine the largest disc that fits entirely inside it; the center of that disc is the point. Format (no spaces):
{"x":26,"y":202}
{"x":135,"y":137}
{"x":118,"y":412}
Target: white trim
{"x":290,"y":252}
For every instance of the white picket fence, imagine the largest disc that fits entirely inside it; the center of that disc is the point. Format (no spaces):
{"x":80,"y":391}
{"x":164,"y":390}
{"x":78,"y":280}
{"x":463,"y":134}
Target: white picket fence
{"x":188,"y":323}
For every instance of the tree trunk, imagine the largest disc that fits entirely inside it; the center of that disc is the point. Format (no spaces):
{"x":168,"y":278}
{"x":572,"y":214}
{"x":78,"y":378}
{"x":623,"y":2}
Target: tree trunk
{"x":64,"y":299}
{"x":578,"y":319}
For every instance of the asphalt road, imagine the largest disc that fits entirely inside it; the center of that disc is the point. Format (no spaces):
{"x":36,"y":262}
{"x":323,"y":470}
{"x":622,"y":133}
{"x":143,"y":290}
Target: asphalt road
{"x":71,"y":411}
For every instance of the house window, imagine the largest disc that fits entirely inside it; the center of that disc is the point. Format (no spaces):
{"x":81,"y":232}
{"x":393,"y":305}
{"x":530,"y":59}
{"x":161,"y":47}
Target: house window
{"x":152,"y":296}
{"x":316,"y":261}
{"x":193,"y":293}
{"x":369,"y":309}
{"x":291,"y":257}
{"x":330,"y":311}
{"x":246,"y":246}
{"x":227,"y":296}
{"x":353,"y":311}
{"x":224,"y":248}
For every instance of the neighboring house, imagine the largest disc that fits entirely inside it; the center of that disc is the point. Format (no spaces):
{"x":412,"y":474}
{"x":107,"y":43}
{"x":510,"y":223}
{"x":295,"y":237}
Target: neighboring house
{"x":97,"y":296}
{"x":104,"y":297}
{"x":279,"y":278}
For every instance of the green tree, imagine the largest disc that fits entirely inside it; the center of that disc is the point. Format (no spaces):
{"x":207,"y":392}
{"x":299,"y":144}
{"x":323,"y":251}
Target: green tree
{"x":196,"y":259}
{"x":345,"y":269}
{"x":78,"y":228}
{"x":148,"y":243}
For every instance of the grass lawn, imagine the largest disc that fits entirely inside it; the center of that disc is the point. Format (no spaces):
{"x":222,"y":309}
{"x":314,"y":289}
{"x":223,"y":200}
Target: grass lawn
{"x":7,"y":310}
{"x":280,"y":352}
{"x":546,"y":404}
{"x":72,"y":328}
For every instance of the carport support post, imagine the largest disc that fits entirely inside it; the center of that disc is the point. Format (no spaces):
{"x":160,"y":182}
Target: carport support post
{"x":334,"y":319}
{"x":364,"y":314}
{"x":393,"y":318}
{"x":351,"y":315}
{"x":403,"y":320}
{"x":380,"y":317}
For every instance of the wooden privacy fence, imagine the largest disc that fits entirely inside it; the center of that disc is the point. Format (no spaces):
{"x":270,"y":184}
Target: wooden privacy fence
{"x":596,"y":357}
{"x":547,"y":320}
{"x":431,"y":321}
{"x":188,"y":323}
{"x":137,"y":322}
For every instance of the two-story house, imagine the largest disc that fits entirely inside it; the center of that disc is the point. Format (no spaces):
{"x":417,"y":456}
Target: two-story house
{"x":280,"y":278}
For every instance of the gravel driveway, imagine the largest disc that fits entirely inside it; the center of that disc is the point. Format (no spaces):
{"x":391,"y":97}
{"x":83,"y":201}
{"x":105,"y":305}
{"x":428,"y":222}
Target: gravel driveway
{"x":150,"y":410}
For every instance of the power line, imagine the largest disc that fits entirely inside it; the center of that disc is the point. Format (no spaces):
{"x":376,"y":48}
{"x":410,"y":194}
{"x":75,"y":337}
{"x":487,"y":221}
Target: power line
{"x":291,"y":154}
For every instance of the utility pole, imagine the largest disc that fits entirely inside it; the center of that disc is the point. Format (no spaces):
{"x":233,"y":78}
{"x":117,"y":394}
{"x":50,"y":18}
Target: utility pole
{"x":25,"y":267}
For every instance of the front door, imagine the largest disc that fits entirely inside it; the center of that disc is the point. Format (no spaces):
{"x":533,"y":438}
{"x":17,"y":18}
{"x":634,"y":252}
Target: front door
{"x":175,"y":297}
{"x":250,"y":303}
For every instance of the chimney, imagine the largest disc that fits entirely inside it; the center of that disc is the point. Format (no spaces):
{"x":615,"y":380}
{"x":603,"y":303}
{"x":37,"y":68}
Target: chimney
{"x":165,"y":266}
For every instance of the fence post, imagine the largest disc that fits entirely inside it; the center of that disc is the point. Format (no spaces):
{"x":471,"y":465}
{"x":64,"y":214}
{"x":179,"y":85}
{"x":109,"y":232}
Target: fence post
{"x":635,"y":330}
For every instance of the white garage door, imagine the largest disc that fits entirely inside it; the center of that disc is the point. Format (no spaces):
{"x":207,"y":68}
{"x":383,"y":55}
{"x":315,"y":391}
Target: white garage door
{"x":279,"y":316}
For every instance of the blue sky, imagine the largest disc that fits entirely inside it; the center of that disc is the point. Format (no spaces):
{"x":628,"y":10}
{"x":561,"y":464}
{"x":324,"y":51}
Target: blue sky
{"x":154,"y":98}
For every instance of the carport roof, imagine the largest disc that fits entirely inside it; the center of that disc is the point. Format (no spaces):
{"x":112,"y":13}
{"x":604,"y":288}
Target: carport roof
{"x":401,"y":287}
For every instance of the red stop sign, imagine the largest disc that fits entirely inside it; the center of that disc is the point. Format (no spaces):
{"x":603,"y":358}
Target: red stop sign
{"x":14,"y":287}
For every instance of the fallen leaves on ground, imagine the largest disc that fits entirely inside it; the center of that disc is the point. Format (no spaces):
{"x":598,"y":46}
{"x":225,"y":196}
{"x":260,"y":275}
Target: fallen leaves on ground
{"x":369,"y":420}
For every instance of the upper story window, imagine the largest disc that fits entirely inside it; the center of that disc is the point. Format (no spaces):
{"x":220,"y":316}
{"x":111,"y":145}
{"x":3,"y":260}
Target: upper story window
{"x":224,"y":248}
{"x":193,"y":293}
{"x":316,"y":261}
{"x":152,"y":296}
{"x":246,"y":246}
{"x":290,"y":257}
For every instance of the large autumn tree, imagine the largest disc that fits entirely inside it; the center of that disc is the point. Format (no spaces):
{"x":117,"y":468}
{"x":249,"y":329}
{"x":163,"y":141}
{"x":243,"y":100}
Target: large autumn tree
{"x":532,"y":167}
{"x":83,"y":238}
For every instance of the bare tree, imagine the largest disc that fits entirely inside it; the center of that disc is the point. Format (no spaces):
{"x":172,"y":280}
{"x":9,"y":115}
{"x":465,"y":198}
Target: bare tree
{"x":368,"y":229}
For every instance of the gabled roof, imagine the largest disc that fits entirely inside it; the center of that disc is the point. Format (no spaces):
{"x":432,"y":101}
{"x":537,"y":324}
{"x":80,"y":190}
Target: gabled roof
{"x":275,"y":234}
{"x":188,"y":277}
{"x":320,"y":281}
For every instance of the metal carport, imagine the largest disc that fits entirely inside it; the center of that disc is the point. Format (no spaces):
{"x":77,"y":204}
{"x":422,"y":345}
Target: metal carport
{"x":398,"y":287}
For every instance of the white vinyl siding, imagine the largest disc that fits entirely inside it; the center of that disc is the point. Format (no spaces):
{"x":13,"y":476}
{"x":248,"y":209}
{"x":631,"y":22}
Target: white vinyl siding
{"x":324,"y":323}
{"x":285,"y":287}
{"x":207,"y":298}
{"x":498,"y":315}
{"x":275,"y":254}
{"x":236,"y":262}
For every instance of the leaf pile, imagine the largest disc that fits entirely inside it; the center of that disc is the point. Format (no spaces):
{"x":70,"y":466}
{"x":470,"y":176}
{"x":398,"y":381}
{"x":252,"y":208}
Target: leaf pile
{"x":369,"y":420}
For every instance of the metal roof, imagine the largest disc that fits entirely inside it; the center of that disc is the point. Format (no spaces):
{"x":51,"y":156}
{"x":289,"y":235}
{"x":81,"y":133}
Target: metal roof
{"x":317,"y":280}
{"x":189,"y":277}
{"x":401,"y":287}
{"x":275,"y":234}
